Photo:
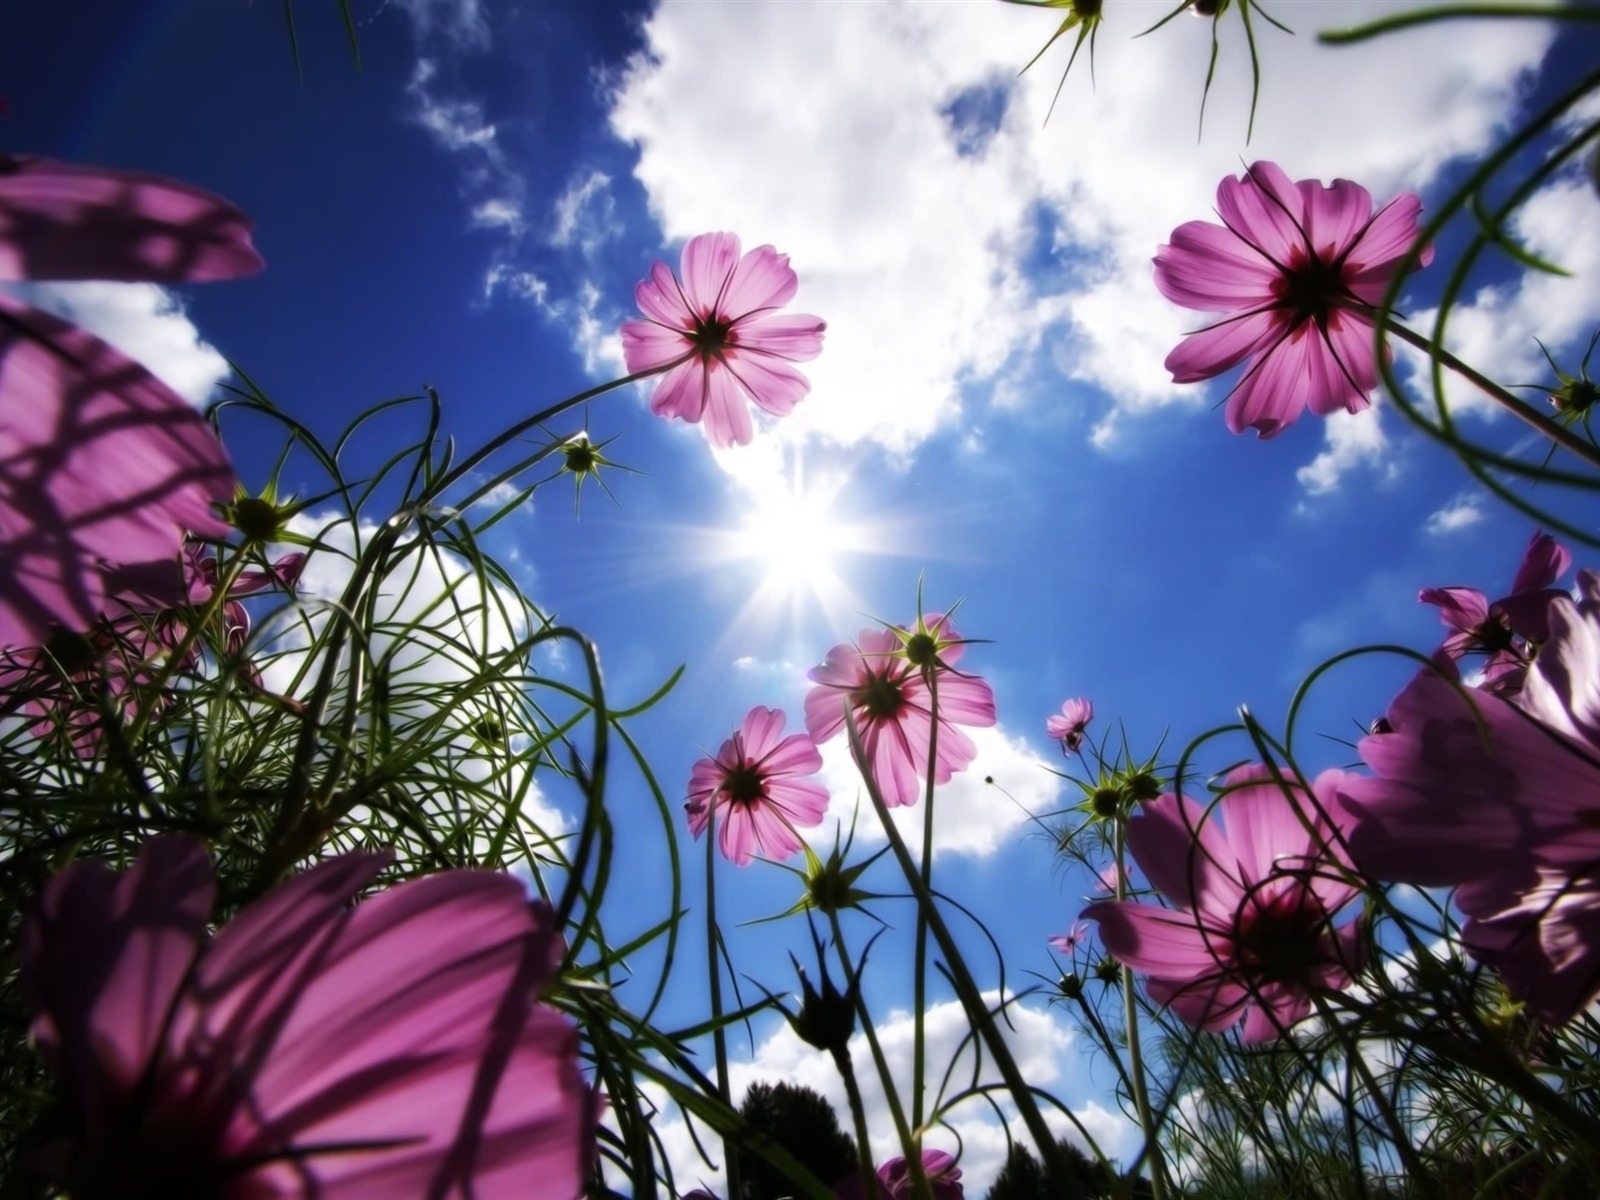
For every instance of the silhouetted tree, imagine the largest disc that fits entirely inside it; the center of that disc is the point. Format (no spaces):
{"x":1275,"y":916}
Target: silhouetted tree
{"x":1024,"y":1178}
{"x":804,"y":1124}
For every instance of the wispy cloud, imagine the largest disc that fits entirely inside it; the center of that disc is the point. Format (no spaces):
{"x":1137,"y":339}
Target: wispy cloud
{"x":1461,"y":513}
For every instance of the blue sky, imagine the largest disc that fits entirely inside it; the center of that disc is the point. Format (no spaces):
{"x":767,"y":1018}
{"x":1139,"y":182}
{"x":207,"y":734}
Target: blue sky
{"x":472,"y":210}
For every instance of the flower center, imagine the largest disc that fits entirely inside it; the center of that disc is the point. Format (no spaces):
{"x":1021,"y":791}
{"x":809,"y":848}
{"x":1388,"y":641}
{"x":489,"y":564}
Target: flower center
{"x":922,"y":650}
{"x":1494,"y":635}
{"x":744,"y":784}
{"x":1280,"y":940}
{"x":880,"y":697}
{"x":1309,"y":286}
{"x":711,"y":336}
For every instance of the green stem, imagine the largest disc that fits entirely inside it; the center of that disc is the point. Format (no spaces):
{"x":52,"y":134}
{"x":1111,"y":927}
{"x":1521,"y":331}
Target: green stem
{"x":1130,"y":1018}
{"x":719,"y":1039}
{"x":897,"y":1112}
{"x":966,"y":988}
{"x":919,"y":978}
{"x":858,"y":1113}
{"x":1515,"y":405}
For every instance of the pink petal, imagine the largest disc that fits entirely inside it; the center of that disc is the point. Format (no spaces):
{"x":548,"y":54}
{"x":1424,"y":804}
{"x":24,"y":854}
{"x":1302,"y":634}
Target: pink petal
{"x":708,"y":261}
{"x":1371,"y":262}
{"x":1545,"y":561}
{"x":1274,"y":391}
{"x":1209,"y":1004}
{"x":646,"y":344}
{"x":681,"y":392}
{"x":773,"y":384}
{"x":965,"y":699}
{"x":1211,"y":351}
{"x":726,"y":415}
{"x":1342,"y":375}
{"x":66,"y":221}
{"x":1265,"y":209}
{"x":1335,"y":216}
{"x":794,"y":336}
{"x":762,"y":728}
{"x":761,"y":281}
{"x":803,"y":801}
{"x":1162,"y":942}
{"x":1459,"y":607}
{"x":99,"y":461}
{"x":104,"y":957}
{"x":797,"y":754}
{"x":1185,"y":855}
{"x":1210,"y":268}
{"x":661,"y":299}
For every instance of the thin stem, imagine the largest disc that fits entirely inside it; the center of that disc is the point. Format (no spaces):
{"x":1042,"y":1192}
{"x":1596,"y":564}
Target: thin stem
{"x":719,"y":1039}
{"x":966,"y":987}
{"x":919,"y":978}
{"x":1513,"y":404}
{"x":896,"y":1112}
{"x":858,"y":1113}
{"x":1130,"y":1020}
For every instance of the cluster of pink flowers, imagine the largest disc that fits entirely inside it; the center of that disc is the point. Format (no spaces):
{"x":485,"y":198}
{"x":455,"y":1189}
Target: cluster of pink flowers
{"x":887,"y":684}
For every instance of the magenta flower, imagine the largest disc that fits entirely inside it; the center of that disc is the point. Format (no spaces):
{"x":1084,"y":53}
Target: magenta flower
{"x":753,"y":787}
{"x":1253,"y":894}
{"x":895,"y":1182}
{"x":1070,"y":941}
{"x":309,"y":1048}
{"x":1509,"y":631}
{"x":719,"y":330}
{"x":1498,"y":799}
{"x":1068,"y":726}
{"x":100,"y":462}
{"x":889,"y":698}
{"x":1297,"y":268}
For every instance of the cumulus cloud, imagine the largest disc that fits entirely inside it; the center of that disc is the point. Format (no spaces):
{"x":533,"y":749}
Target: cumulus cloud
{"x":917,"y":187}
{"x":1461,"y":513}
{"x":1353,"y":440}
{"x":1040,"y":1039}
{"x":147,"y":323}
{"x":462,"y":24}
{"x":970,"y":816}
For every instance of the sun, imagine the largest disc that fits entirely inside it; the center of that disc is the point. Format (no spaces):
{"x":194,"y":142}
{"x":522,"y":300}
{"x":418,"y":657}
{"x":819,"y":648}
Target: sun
{"x":796,"y":539}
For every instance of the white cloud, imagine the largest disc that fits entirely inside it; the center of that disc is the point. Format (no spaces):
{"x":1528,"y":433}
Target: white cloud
{"x":1494,"y":330}
{"x":146,"y":322}
{"x":583,"y":213}
{"x":461,"y":23}
{"x":1353,"y":440}
{"x":915,"y":252}
{"x":970,"y":816}
{"x":1041,"y":1041}
{"x":1461,"y":513}
{"x":498,"y":213}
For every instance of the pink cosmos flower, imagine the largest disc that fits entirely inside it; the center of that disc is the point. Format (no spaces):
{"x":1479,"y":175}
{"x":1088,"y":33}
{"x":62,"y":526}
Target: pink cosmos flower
{"x":719,"y":329}
{"x":1069,"y":725}
{"x":309,"y":1048}
{"x":895,"y":1182}
{"x":1253,"y":895}
{"x":1297,"y":268}
{"x":1067,"y":943}
{"x":754,"y":788}
{"x":1500,"y":799}
{"x":1509,"y":630}
{"x":889,"y":698}
{"x":99,"y":460}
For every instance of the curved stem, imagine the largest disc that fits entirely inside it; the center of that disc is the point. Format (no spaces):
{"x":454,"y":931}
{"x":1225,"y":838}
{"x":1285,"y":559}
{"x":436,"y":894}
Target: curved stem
{"x":1130,"y":1020}
{"x":896,"y":1112}
{"x":719,"y":1039}
{"x":1515,"y":405}
{"x":858,"y":1114}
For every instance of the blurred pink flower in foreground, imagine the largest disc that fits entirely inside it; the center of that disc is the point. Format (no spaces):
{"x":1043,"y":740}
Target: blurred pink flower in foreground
{"x":895,"y":1182}
{"x":720,"y":330}
{"x":310,"y":1048}
{"x":1067,"y":727}
{"x":1254,"y":894}
{"x":1503,"y":630}
{"x":1298,"y":268}
{"x":1501,"y":800}
{"x":100,"y":462}
{"x":753,"y":787}
{"x":888,"y":696}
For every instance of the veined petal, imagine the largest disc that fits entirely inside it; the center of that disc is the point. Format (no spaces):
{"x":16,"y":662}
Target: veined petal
{"x":1377,"y":252}
{"x":708,"y":262}
{"x":761,"y":729}
{"x":760,"y":281}
{"x":646,"y":344}
{"x":682,"y":392}
{"x":1211,"y":351}
{"x":796,"y":754}
{"x":1162,"y":942}
{"x":1264,"y":208}
{"x":1335,"y":216}
{"x":1545,"y":561}
{"x":774,"y":385}
{"x":1212,"y":269}
{"x":727,"y":416}
{"x":661,"y":299}
{"x":1273,"y":391}
{"x":69,"y":221}
{"x":794,"y":336}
